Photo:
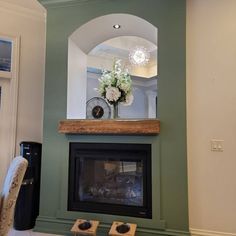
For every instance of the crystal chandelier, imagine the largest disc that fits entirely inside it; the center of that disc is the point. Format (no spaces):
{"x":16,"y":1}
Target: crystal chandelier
{"x":139,"y":56}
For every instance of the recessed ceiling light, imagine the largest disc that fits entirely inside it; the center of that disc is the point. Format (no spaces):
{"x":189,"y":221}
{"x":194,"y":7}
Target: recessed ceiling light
{"x":116,"y":26}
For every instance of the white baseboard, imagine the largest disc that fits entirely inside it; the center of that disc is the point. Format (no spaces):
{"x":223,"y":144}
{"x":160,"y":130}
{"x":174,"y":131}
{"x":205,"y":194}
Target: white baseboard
{"x":201,"y":232}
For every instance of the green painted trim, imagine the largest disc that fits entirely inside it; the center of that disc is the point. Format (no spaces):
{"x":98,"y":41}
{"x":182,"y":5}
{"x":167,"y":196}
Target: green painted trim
{"x":157,"y":221}
{"x":65,"y":3}
{"x":50,"y":2}
{"x":59,"y":226}
{"x":169,"y":148}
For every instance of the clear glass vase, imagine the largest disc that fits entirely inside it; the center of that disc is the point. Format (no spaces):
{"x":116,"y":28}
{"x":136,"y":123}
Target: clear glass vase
{"x":115,"y":111}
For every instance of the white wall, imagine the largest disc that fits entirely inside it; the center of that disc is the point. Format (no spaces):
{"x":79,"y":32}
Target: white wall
{"x":27,"y":4}
{"x":211,"y":113}
{"x":26,"y":19}
{"x":77,"y":82}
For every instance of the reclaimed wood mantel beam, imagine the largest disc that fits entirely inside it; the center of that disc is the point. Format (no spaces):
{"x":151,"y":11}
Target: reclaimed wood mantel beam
{"x":116,"y":126}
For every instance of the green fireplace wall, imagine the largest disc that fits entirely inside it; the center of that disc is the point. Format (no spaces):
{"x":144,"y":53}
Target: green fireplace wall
{"x":169,"y":170}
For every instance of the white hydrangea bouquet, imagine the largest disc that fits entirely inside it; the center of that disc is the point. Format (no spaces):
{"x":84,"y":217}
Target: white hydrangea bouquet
{"x":116,"y":87}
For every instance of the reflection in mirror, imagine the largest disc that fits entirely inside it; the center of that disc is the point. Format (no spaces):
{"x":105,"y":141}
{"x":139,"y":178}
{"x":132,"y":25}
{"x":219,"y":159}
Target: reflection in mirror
{"x":5,"y":55}
{"x":138,"y":57}
{"x":93,"y":48}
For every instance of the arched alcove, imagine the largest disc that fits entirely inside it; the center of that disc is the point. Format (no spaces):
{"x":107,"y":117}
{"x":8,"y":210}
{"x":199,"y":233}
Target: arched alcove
{"x":84,"y":39}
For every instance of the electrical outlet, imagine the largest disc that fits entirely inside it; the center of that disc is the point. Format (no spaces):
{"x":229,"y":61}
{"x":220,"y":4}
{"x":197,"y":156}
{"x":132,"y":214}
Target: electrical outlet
{"x":217,"y":145}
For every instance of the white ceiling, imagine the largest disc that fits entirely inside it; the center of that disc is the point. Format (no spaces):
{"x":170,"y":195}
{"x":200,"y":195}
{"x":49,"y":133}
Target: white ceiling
{"x":120,"y":47}
{"x":100,"y":29}
{"x":106,"y":43}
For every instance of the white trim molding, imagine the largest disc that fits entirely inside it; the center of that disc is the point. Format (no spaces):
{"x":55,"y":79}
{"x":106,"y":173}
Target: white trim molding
{"x":14,"y":84}
{"x":202,"y":232}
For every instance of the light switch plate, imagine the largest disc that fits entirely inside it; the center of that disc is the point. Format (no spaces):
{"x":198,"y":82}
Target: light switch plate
{"x":217,"y":145}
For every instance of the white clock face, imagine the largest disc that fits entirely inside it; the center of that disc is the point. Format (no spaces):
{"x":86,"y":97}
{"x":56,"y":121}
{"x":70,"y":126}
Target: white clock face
{"x":97,"y":108}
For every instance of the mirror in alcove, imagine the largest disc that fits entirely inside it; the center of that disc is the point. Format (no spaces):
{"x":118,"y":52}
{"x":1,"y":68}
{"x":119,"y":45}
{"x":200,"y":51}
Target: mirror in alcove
{"x":93,"y":47}
{"x":137,"y":57}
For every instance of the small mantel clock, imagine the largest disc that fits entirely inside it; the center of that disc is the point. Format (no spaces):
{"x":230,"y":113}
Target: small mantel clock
{"x":98,"y":108}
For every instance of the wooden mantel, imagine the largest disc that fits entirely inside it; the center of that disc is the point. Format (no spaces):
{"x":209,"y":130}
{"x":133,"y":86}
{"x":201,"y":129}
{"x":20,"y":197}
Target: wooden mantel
{"x":116,"y":126}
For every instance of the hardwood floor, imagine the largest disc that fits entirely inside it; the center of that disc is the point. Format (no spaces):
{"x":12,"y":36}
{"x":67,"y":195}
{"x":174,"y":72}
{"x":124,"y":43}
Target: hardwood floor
{"x":28,"y":233}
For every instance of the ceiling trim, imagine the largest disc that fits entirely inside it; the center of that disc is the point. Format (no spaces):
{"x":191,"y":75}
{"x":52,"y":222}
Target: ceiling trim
{"x":22,"y":11}
{"x":64,"y":3}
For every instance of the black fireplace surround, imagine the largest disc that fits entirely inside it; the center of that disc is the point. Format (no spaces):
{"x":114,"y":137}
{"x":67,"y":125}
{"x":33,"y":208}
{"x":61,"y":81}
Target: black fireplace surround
{"x":110,"y":178}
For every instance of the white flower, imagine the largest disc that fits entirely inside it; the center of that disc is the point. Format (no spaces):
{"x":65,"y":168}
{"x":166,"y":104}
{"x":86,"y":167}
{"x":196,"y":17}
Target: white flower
{"x":128,"y":99}
{"x":117,"y":65}
{"x":124,"y":86}
{"x":115,"y":85}
{"x":112,"y":94}
{"x":124,"y":82}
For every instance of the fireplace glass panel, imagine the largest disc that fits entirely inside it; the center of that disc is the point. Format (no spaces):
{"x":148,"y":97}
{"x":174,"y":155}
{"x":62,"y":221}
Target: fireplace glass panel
{"x":111,"y":181}
{"x":110,"y":178}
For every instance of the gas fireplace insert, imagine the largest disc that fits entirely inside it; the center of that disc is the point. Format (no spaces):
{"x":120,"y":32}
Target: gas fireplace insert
{"x":110,"y":178}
